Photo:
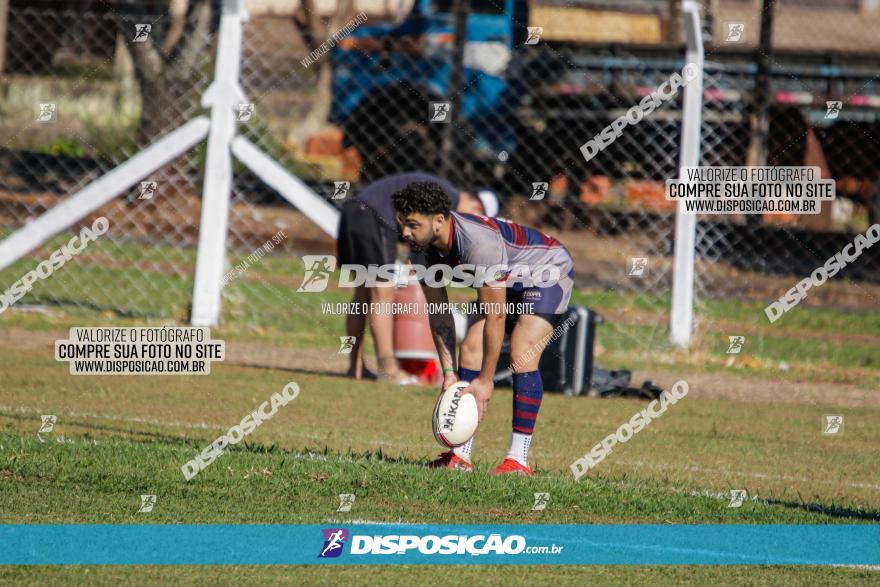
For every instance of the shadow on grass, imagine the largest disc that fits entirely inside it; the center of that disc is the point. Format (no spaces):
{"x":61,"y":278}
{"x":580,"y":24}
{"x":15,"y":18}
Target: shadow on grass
{"x":123,"y":433}
{"x":832,"y":511}
{"x":371,"y":456}
{"x":184,"y":442}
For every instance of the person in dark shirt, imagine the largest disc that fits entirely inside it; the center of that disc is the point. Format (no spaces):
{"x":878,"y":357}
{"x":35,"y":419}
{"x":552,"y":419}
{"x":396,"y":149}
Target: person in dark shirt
{"x":368,"y":235}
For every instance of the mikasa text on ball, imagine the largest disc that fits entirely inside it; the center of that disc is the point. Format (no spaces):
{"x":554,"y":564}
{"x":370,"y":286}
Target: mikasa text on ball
{"x":455,"y":416}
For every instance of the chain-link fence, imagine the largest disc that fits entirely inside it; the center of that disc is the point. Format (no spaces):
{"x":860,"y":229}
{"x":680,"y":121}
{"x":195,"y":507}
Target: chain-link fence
{"x":509,"y":110}
{"x":84,"y":90}
{"x":839,"y":26}
{"x":812,"y":82}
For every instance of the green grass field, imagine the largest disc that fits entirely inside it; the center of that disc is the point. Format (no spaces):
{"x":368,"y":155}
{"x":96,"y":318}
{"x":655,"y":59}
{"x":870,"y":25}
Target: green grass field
{"x":747,"y":423}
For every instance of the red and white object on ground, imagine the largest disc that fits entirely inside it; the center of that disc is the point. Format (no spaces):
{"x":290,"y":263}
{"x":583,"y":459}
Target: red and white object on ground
{"x":455,"y":416}
{"x":425,"y":369}
{"x":413,"y":342}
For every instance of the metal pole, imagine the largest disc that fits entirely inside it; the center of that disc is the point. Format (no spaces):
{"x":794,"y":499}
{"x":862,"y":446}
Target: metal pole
{"x":4,"y":15}
{"x":682,"y":313}
{"x":452,"y":163}
{"x":760,"y":119}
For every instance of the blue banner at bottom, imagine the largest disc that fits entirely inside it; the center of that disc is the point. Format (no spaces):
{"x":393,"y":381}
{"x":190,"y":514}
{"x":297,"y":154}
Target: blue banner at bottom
{"x":161,"y":544}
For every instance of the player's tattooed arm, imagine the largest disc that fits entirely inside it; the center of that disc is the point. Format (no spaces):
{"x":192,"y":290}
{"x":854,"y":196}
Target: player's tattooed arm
{"x":442,"y":326}
{"x":444,"y":340}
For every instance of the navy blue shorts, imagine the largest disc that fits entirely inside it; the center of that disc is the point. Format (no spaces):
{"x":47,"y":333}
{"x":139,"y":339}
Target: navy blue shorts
{"x":550,"y":303}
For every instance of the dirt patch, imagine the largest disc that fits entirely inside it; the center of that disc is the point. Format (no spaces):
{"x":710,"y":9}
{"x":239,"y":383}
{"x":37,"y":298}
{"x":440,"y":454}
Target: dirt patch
{"x":323,"y":361}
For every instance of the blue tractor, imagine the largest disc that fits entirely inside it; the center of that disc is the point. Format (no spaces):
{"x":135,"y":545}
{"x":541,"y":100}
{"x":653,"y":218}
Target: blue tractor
{"x":386,"y":76}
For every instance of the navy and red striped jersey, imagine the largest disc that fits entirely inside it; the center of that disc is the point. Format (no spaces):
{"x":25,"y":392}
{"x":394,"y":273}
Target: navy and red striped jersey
{"x":485,"y":241}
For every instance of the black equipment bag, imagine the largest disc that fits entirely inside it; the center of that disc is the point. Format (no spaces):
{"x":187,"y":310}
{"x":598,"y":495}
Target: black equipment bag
{"x":607,"y":384}
{"x":567,"y":363}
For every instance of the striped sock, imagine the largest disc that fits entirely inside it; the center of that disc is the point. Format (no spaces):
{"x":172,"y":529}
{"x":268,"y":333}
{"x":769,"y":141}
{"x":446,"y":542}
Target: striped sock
{"x":464,"y":451}
{"x":528,"y":390}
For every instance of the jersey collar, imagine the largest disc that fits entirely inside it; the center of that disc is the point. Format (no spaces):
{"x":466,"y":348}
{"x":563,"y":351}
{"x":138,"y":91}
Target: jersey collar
{"x":451,"y":239}
{"x":451,"y":232}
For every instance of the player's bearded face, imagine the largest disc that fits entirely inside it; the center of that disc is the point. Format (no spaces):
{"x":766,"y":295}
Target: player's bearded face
{"x":421,"y":230}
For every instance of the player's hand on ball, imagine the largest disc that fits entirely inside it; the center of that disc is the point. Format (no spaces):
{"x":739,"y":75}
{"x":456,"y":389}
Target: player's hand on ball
{"x":482,"y":392}
{"x":449,"y":378}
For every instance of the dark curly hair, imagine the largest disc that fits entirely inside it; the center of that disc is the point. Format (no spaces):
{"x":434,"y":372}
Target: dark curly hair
{"x":422,"y":197}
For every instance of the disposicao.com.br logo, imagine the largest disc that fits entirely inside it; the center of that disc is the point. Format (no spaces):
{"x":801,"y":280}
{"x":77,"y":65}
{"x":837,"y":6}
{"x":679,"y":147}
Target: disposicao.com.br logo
{"x":318,"y":269}
{"x":335,"y":539}
{"x":334,"y":542}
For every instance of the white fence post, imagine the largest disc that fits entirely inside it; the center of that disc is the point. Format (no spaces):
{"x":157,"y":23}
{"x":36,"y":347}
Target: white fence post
{"x":682,"y":312}
{"x":222,"y":97}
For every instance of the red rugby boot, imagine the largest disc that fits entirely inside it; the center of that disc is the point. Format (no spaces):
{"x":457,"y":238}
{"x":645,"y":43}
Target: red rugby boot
{"x":512,"y":466}
{"x":450,"y":460}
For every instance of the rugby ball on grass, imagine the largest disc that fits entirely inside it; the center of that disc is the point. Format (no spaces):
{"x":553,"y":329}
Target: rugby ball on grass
{"x":455,"y":416}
